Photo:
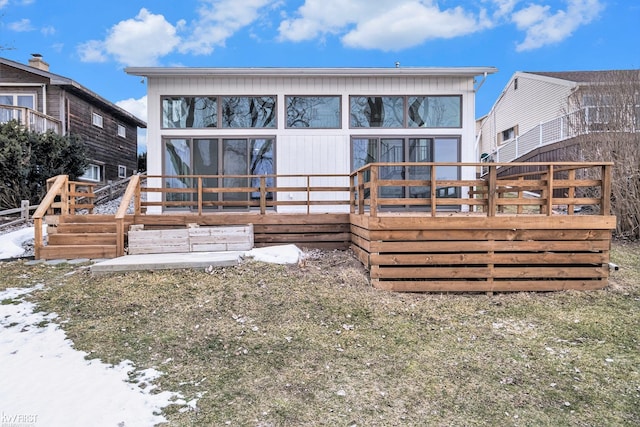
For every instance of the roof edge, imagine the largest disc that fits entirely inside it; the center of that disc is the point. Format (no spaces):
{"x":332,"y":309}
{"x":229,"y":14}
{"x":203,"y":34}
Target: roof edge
{"x":319,"y":72}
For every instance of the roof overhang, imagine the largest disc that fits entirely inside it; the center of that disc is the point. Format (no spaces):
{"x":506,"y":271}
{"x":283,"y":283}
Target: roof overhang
{"x":310,"y":72}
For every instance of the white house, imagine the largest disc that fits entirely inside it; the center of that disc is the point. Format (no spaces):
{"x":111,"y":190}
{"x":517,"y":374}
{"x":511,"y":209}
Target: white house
{"x":286,"y":121}
{"x":537,"y":109}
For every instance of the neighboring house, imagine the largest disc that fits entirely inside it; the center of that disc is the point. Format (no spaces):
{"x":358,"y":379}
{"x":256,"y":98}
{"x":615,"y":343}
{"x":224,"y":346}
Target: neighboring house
{"x":285,"y":121}
{"x":44,"y":101}
{"x":541,"y":109}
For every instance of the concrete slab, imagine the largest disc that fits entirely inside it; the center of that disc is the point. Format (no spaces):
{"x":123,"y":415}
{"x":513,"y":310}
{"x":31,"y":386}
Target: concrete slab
{"x":167,"y":261}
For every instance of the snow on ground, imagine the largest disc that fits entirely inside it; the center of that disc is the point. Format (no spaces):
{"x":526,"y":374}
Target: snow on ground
{"x":45,"y":382}
{"x":11,"y":243}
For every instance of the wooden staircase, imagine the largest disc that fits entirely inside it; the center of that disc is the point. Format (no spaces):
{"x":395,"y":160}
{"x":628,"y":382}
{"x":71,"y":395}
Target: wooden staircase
{"x":80,"y":236}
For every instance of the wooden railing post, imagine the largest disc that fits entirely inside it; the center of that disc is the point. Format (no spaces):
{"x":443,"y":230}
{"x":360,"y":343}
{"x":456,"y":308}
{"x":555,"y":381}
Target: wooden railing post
{"x":308,"y":194}
{"x":605,"y":204}
{"x":550,"y":191}
{"x":352,"y":193}
{"x":571,"y":192}
{"x":200,"y":193}
{"x":434,"y":195}
{"x":137,"y":200}
{"x":373,"y":208}
{"x":360,"y":183}
{"x":491,"y":190}
{"x":263,"y":194}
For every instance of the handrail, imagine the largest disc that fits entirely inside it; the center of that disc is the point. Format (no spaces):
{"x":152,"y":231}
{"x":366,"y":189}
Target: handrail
{"x":33,"y":120}
{"x":561,"y":186}
{"x":133,"y":190}
{"x":58,"y":187}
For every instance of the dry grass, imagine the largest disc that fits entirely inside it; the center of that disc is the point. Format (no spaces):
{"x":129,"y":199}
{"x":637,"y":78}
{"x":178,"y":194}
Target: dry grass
{"x":316,"y":345}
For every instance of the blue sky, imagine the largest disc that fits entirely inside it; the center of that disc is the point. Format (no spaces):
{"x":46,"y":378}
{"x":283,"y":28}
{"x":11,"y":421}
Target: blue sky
{"x":91,"y":42}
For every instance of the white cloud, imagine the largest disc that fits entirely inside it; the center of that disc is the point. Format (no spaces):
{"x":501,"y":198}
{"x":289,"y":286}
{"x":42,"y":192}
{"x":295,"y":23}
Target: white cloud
{"x":139,"y":41}
{"x":542,"y":27}
{"x":21,"y":26}
{"x":375,"y":25}
{"x":48,"y":30}
{"x":3,"y":3}
{"x":220,"y":19}
{"x":92,"y":51}
{"x":137,"y":107}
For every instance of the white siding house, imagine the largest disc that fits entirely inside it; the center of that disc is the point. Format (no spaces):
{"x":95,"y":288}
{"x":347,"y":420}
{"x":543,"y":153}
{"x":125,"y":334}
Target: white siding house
{"x":527,"y":100}
{"x":307,"y":121}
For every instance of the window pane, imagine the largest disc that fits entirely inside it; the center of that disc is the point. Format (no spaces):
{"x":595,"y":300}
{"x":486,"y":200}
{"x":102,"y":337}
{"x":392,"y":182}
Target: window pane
{"x":6,"y":99}
{"x":447,"y":150}
{"x":420,"y":151}
{"x":249,"y":112}
{"x":235,"y":162}
{"x":313,"y":111}
{"x":379,"y":111}
{"x":189,"y":112}
{"x":261,"y":163}
{"x":177,"y":158}
{"x":364,"y":151}
{"x":25,"y":101}
{"x":434,"y":111}
{"x":391,"y":151}
{"x":205,"y":162}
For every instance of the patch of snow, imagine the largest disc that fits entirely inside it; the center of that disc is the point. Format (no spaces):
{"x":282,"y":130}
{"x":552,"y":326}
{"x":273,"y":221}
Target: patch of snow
{"x":11,"y":243}
{"x":45,"y":379}
{"x":279,"y":254}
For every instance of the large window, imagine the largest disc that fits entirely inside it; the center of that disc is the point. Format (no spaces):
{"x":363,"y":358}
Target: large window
{"x":92,"y":173}
{"x":406,"y":111}
{"x":17,"y":100}
{"x":189,"y":112}
{"x":408,"y":149}
{"x":320,"y":112}
{"x":228,"y":157}
{"x":249,"y":112}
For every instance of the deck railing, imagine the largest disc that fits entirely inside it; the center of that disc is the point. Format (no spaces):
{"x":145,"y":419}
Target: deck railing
{"x":33,"y":120}
{"x":542,"y":189}
{"x":539,"y":189}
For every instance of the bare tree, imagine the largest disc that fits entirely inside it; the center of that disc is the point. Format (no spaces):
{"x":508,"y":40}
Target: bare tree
{"x":607,"y":123}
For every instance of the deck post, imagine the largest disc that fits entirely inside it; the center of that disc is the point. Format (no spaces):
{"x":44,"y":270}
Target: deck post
{"x":137,"y":202}
{"x":605,"y":204}
{"x":434,"y":206}
{"x":263,"y":194}
{"x":550,"y":191}
{"x":352,"y":194}
{"x":571,"y":193}
{"x":491,"y":190}
{"x":199,"y":195}
{"x":360,"y":189}
{"x":373,"y":208}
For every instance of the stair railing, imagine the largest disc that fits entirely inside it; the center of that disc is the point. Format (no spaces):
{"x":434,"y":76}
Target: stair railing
{"x":58,"y":187}
{"x":131,"y":193}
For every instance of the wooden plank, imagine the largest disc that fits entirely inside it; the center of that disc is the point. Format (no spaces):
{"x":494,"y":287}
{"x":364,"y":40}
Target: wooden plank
{"x":302,"y":228}
{"x":78,"y":251}
{"x":56,"y":239}
{"x":361,"y":232}
{"x":502,"y":222}
{"x":362,"y":255}
{"x":440,"y":235}
{"x":483,"y":286}
{"x":360,"y":242}
{"x":293,"y":238}
{"x":556,"y":272}
{"x":458,"y":272}
{"x":486,"y":246}
{"x":489,"y":258}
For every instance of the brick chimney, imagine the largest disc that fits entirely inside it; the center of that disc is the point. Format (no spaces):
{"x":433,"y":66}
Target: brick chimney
{"x":36,"y":61}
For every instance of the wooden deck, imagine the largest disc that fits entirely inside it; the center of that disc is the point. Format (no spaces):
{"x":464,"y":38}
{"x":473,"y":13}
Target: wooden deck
{"x":548,"y":228}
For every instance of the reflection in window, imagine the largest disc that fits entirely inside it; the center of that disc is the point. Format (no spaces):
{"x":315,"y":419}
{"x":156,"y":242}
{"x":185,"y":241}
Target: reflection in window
{"x":189,"y":112}
{"x":249,"y":112}
{"x":313,"y":112}
{"x":434,"y":111}
{"x":377,"y":111}
{"x":177,"y":161}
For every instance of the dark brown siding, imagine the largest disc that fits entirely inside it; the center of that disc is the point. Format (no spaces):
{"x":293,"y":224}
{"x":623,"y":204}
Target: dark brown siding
{"x":104,"y":146}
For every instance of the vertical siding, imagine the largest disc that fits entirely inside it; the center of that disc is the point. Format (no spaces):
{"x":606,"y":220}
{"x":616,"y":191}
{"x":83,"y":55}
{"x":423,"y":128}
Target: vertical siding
{"x":301,"y":151}
{"x":536,"y":100}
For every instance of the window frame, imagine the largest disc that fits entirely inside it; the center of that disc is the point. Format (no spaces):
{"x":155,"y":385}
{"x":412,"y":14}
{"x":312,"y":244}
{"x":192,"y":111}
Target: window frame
{"x":164,"y":98}
{"x":93,"y":167}
{"x":94,"y":122}
{"x":122,"y":128}
{"x":221,"y":121}
{"x":122,"y":171}
{"x":405,"y":111}
{"x":16,"y":95}
{"x":286,"y":110}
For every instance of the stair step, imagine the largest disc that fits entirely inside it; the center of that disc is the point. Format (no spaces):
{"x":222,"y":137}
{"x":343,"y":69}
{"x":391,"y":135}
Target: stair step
{"x":78,"y":251}
{"x":77,"y":239}
{"x":83,"y":219}
{"x":65,"y":228}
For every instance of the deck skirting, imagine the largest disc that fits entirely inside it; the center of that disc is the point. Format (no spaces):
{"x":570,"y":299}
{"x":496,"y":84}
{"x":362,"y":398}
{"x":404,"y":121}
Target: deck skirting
{"x":484,"y":254}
